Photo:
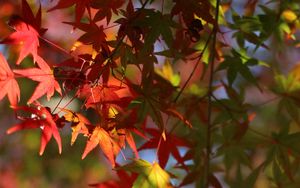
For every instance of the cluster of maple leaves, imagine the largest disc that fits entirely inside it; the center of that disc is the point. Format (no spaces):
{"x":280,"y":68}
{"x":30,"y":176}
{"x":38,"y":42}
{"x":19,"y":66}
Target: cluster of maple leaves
{"x":89,"y":77}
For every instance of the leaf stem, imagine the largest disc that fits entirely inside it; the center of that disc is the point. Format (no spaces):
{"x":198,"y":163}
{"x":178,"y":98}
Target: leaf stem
{"x":210,"y":90}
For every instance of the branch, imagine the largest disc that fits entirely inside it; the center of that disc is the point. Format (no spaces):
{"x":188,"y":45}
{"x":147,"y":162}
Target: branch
{"x":210,"y":90}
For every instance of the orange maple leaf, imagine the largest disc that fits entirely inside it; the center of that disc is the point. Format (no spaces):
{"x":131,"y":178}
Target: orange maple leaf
{"x":79,"y":124}
{"x":101,"y":137}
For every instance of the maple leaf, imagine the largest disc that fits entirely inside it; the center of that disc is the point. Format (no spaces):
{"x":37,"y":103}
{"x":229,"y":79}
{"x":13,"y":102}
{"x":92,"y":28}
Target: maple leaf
{"x":41,"y":118}
{"x":79,"y":124}
{"x":105,"y":8}
{"x":155,"y":30}
{"x":87,"y":69}
{"x":93,"y":35}
{"x":150,"y":175}
{"x":8,"y":84}
{"x":108,"y":184}
{"x":28,"y":37}
{"x":235,"y":64}
{"x":166,"y":146}
{"x":99,"y":94}
{"x":27,"y":32}
{"x":167,"y":72}
{"x":181,"y":48}
{"x":131,"y":143}
{"x":175,"y":113}
{"x":101,"y":137}
{"x":44,"y":75}
{"x":80,"y":6}
{"x":190,"y":8}
{"x":29,"y":18}
{"x":123,"y":135}
{"x":128,"y":26}
{"x":242,"y":127}
{"x":195,"y":175}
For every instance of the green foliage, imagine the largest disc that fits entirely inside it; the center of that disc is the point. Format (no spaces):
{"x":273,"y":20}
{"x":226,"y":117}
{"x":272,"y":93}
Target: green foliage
{"x":236,"y":64}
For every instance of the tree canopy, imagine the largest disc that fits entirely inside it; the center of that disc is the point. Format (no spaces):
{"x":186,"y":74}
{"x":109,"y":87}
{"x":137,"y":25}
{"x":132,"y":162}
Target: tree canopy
{"x":210,"y":88}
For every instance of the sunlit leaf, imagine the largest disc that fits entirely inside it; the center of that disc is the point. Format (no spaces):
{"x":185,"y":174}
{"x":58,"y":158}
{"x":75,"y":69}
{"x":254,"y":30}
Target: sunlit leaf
{"x":150,"y":175}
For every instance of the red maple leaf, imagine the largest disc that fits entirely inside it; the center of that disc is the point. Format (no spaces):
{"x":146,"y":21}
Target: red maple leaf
{"x":8,"y":84}
{"x":44,"y":75}
{"x":93,"y":35}
{"x":80,"y":6}
{"x":40,"y":118}
{"x":173,"y":112}
{"x":27,"y":29}
{"x":105,"y":8}
{"x":27,"y":37}
{"x":102,"y":138}
{"x":129,"y":27}
{"x":99,"y":94}
{"x":108,"y":184}
{"x":166,"y":147}
{"x":29,"y":18}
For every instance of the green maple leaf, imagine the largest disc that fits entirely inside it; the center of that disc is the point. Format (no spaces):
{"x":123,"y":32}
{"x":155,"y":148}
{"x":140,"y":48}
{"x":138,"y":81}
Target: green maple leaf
{"x":156,"y":30}
{"x":236,"y":64}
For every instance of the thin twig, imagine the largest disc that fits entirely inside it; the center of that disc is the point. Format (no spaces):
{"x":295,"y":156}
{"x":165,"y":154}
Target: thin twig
{"x":59,"y":102}
{"x":60,"y":48}
{"x":266,"y":102}
{"x":194,"y":68}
